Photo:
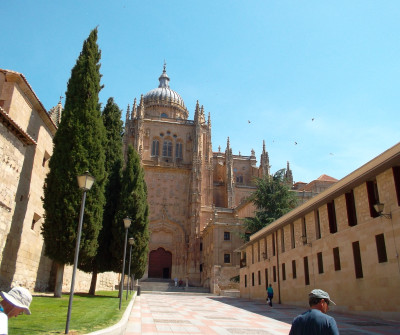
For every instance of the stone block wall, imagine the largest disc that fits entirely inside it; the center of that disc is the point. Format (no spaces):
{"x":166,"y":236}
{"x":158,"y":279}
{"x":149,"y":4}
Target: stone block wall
{"x":362,"y":285}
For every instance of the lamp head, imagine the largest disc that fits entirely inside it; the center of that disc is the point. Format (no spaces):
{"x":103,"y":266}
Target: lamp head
{"x":379,"y":207}
{"x":85,"y":181}
{"x":131,"y":240}
{"x":127,"y":222}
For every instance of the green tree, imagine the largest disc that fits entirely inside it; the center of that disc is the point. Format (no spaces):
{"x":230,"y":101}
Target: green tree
{"x":104,"y":260}
{"x":133,"y":204}
{"x":272,"y":199}
{"x":78,"y":147}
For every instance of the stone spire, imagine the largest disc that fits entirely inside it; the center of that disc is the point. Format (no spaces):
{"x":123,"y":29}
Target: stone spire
{"x":197,"y":113}
{"x":134,"y":110}
{"x":56,"y":113}
{"x":140,"y":110}
{"x":264,"y":162}
{"x":289,"y":175}
{"x":202,"y":117}
{"x":230,"y":182}
{"x":128,"y":111}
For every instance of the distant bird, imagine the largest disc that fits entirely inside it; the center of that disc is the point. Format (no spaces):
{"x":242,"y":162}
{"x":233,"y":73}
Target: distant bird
{"x":295,"y":143}
{"x":331,"y":154}
{"x":248,"y":121}
{"x":312,"y":119}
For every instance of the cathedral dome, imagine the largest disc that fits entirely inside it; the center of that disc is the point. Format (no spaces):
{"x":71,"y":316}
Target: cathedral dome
{"x":164,"y":96}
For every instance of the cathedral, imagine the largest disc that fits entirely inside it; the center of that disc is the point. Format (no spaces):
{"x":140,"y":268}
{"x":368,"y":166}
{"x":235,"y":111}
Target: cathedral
{"x":197,"y":197}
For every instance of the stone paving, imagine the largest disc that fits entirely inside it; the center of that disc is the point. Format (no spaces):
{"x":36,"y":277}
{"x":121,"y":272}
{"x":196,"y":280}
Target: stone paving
{"x":155,"y":313}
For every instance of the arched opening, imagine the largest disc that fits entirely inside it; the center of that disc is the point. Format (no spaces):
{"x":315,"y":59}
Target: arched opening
{"x":160,"y":264}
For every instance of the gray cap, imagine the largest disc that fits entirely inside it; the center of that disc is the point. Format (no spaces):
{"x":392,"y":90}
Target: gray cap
{"x":317,"y":293}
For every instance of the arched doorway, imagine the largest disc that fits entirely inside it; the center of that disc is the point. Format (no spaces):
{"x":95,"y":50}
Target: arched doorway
{"x":160,"y":263}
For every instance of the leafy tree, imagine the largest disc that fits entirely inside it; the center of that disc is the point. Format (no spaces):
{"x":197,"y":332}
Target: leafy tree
{"x":133,"y":204}
{"x":272,"y":199}
{"x":104,"y":260}
{"x":78,"y":147}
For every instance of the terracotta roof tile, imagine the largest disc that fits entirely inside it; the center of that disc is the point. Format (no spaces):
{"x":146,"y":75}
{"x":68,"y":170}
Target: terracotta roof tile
{"x":325,"y":177}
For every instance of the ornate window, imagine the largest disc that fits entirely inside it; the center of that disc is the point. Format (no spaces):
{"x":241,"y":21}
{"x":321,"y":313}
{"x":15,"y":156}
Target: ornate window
{"x":164,"y":115}
{"x":155,"y":148}
{"x":178,"y":150}
{"x":167,"y":148}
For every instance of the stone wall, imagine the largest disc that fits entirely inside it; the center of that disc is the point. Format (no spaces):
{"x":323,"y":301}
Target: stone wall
{"x":107,"y":281}
{"x":220,"y":278}
{"x":294,"y":266}
{"x":23,"y":170}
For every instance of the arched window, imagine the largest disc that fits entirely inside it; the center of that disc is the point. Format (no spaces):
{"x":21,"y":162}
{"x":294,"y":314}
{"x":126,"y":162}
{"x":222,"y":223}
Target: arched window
{"x":167,"y":148}
{"x":164,"y":115}
{"x":155,"y":148}
{"x":178,"y":150}
{"x":239,"y":179}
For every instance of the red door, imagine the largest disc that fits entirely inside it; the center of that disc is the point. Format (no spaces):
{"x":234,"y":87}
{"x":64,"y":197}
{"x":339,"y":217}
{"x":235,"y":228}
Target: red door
{"x":160,"y":263}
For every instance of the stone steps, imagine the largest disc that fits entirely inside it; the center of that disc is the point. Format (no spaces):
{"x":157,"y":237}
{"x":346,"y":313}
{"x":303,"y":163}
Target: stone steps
{"x":163,"y":285}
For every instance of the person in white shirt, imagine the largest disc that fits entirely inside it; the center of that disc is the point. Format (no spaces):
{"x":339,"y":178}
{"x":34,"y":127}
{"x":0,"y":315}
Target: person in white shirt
{"x":14,"y":302}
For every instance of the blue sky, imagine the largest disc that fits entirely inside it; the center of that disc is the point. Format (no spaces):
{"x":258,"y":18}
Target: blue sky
{"x":322,"y":74}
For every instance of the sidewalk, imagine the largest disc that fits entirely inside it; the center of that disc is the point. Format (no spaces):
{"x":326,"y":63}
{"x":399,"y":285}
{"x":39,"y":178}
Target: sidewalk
{"x":208,"y":314}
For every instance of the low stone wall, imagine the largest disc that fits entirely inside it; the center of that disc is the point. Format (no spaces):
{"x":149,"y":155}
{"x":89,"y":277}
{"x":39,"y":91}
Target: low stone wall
{"x":106,"y":281}
{"x":220,"y":279}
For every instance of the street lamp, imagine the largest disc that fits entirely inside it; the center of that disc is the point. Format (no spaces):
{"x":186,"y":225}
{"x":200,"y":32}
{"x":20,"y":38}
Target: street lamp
{"x":85,"y":183}
{"x":131,"y":240}
{"x":127,"y":223}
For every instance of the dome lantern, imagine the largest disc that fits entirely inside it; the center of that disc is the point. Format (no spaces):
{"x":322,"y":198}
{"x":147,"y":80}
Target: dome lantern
{"x":163,"y":101}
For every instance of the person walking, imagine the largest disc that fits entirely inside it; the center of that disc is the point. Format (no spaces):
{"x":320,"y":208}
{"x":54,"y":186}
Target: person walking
{"x":270,"y":293}
{"x":14,"y":302}
{"x":315,"y":321}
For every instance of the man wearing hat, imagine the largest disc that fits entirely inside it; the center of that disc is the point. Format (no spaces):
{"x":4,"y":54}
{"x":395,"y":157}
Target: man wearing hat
{"x":315,"y":321}
{"x":14,"y":302}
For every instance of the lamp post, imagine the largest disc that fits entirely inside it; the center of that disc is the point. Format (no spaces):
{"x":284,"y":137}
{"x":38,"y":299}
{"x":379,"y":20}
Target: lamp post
{"x":127,"y":223}
{"x":131,"y":240}
{"x":85,"y":183}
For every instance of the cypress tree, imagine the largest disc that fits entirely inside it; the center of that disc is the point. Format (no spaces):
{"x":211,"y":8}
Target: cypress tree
{"x":78,"y":147}
{"x":133,"y":204}
{"x":103,"y":260}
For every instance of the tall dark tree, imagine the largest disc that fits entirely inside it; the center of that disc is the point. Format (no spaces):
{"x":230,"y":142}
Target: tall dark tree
{"x":78,"y":147}
{"x":272,"y":199}
{"x":133,"y":204}
{"x":103,"y":260}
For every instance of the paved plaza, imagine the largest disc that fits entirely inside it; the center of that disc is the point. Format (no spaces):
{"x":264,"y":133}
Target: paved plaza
{"x":155,"y":313}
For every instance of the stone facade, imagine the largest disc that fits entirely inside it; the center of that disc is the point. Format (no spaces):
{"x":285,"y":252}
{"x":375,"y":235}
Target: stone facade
{"x":195,"y":195}
{"x":337,"y":241}
{"x":26,"y":145}
{"x":198,"y":198}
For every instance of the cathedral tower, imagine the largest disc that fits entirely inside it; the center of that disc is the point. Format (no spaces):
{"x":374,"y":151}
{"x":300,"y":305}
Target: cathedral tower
{"x":197,"y":198}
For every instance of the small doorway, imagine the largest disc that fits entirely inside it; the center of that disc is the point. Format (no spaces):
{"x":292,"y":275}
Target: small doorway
{"x":166,"y":274}
{"x":160,"y":264}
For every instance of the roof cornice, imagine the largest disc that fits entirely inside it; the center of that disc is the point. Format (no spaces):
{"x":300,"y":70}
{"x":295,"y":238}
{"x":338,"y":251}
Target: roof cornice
{"x":13,"y":76}
{"x":366,"y":172}
{"x":13,"y":127}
